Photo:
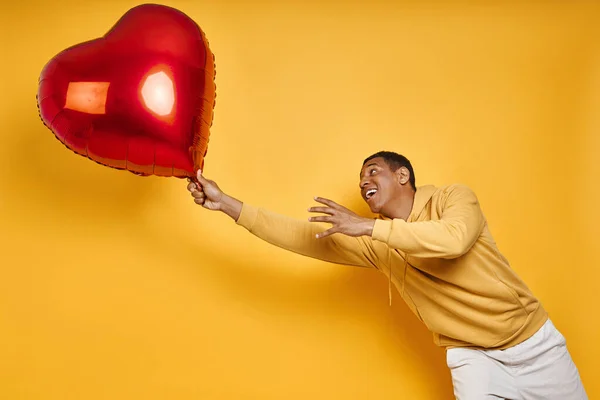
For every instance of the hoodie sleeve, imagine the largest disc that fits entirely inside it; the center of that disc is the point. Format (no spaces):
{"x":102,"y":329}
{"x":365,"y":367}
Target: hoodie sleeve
{"x":451,"y":236}
{"x":299,"y":237}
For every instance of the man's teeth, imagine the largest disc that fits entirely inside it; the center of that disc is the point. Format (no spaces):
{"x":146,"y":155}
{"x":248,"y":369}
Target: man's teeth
{"x":370,"y":193}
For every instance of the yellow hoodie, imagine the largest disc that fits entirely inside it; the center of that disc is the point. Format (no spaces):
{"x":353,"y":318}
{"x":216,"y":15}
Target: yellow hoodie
{"x":443,"y":261}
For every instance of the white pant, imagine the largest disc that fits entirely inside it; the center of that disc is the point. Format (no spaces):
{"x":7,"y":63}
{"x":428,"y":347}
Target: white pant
{"x":538,"y":368}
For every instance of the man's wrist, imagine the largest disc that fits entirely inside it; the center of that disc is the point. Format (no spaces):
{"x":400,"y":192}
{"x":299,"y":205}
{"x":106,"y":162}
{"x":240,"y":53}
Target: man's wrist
{"x":369,"y":226}
{"x":230,"y":206}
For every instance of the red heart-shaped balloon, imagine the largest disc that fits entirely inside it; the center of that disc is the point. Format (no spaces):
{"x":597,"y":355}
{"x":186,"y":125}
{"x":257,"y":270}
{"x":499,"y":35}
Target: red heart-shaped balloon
{"x":140,"y":98}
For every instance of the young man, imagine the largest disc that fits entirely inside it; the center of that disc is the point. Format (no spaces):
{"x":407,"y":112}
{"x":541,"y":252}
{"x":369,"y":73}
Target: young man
{"x":434,"y":246}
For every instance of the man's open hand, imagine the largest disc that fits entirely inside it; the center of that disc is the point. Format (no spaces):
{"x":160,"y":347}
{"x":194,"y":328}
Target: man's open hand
{"x":343,"y":220}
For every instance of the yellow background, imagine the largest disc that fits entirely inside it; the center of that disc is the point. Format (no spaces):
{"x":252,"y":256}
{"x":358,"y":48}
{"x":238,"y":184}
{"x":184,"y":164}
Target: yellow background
{"x":114,"y":286}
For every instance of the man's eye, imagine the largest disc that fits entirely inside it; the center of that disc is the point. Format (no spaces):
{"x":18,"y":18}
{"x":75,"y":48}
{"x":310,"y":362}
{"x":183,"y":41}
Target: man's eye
{"x":373,"y":170}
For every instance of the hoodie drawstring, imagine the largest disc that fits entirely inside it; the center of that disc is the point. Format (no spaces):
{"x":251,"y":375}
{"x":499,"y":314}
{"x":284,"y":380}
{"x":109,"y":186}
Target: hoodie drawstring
{"x":390,"y":286}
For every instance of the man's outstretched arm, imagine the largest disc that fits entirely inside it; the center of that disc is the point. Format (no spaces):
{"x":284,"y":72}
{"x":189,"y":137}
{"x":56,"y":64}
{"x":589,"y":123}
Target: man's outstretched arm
{"x":287,"y":233}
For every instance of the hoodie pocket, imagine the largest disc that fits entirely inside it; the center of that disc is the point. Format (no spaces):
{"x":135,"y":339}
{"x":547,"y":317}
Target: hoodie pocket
{"x":485,"y":326}
{"x":442,"y":326}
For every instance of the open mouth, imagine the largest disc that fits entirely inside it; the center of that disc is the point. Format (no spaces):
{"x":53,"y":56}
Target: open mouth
{"x":370,"y":193}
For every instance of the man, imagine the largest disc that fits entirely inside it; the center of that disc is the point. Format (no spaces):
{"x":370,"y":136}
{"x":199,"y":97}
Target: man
{"x":435,"y":247}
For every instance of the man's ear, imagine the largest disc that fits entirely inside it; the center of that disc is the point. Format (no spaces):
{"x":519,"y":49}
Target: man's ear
{"x":403,"y":175}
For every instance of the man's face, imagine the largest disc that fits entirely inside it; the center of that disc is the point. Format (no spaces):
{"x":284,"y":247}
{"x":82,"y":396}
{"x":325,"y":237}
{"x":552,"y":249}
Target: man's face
{"x":378,"y":183}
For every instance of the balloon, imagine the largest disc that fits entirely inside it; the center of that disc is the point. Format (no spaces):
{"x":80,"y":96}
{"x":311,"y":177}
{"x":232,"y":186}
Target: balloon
{"x":141,"y":98}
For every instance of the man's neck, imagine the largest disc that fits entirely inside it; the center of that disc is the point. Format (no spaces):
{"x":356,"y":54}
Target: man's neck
{"x":402,"y":205}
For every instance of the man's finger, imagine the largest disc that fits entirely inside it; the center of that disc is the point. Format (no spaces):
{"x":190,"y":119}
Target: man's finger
{"x":198,"y":194}
{"x":192,"y":187}
{"x":322,"y":218}
{"x":201,"y":177}
{"x":325,"y":201}
{"x":324,"y":210}
{"x":326,"y":233}
{"x":331,"y":204}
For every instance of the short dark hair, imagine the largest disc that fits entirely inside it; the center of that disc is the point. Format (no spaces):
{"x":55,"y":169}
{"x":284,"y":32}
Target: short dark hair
{"x":395,"y":161}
